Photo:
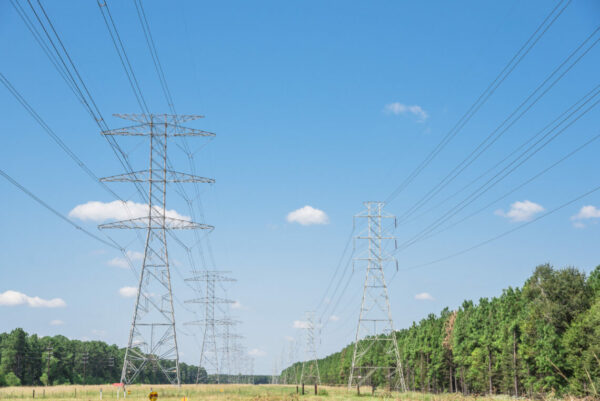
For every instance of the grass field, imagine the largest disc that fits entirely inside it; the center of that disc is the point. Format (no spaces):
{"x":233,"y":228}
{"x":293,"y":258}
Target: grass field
{"x":233,"y":392}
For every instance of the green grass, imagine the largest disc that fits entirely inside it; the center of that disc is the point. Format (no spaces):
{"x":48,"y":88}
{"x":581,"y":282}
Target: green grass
{"x":226,"y":392}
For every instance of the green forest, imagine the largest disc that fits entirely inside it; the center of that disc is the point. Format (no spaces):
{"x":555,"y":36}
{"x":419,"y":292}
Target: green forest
{"x":543,"y":338}
{"x":31,"y":360}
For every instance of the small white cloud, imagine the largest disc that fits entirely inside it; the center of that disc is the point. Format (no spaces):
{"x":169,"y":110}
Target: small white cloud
{"x":237,"y":305}
{"x":301,"y":324}
{"x":307,"y":216}
{"x":585,"y":213}
{"x":256,"y":352}
{"x":56,"y":322}
{"x":424,"y":296}
{"x":99,"y":333}
{"x":122,"y":261}
{"x":128,"y":292}
{"x":334,"y":318}
{"x":14,"y":298}
{"x":116,"y":210}
{"x":400,"y":108}
{"x":521,"y":211}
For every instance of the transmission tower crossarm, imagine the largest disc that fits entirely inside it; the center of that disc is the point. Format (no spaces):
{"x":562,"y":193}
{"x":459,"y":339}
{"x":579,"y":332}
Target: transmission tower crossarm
{"x":146,"y":176}
{"x":155,"y":222}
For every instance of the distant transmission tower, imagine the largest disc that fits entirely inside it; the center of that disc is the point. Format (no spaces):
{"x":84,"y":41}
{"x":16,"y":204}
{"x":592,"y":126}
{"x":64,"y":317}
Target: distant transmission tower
{"x":310,"y":366}
{"x":152,"y":336}
{"x":375,"y":326}
{"x":209,"y":353}
{"x":228,"y":350}
{"x":292,"y":363}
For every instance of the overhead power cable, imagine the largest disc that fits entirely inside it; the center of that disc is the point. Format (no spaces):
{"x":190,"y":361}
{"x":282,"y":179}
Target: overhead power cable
{"x":122,"y":53}
{"x":506,"y":124}
{"x":485,"y":95}
{"x":513,"y":190}
{"x":54,"y":211}
{"x":337,"y":269}
{"x":67,"y":69}
{"x":54,"y":136}
{"x":556,"y":130}
{"x":505,"y":233}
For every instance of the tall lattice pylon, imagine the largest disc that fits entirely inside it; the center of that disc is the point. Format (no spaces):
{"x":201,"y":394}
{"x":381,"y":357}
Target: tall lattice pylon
{"x":209,"y":353}
{"x":375,"y":325}
{"x":152,"y":336}
{"x":310,"y":366}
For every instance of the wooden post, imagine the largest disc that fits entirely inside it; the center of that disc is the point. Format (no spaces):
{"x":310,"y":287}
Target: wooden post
{"x":358,"y":389}
{"x":315,"y":388}
{"x":297,"y":390}
{"x":302,"y":388}
{"x":33,"y":395}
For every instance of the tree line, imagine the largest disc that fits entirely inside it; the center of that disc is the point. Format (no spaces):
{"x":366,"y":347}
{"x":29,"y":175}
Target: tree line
{"x":543,"y":338}
{"x":31,"y":360}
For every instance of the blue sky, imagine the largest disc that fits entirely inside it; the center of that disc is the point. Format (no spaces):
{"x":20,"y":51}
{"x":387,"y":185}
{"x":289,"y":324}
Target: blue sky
{"x":320,"y":104}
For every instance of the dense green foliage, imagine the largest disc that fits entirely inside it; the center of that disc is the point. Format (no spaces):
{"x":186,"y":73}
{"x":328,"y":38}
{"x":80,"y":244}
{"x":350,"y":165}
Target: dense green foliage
{"x":31,"y":360}
{"x":541,"y":339}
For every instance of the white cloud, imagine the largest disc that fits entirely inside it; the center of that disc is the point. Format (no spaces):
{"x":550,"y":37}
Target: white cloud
{"x":307,"y":216}
{"x":256,"y":352}
{"x":56,"y":322}
{"x":521,"y":211}
{"x":585,"y":213}
{"x":128,"y":292}
{"x":237,"y":305}
{"x":122,"y":261}
{"x":14,"y":298}
{"x":424,"y":296}
{"x":116,"y":210}
{"x":400,"y":108}
{"x":99,"y":333}
{"x":301,"y":324}
{"x":334,"y":318}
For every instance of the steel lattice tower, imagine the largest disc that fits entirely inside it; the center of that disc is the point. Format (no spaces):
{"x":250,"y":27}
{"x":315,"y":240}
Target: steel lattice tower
{"x":209,"y":353}
{"x":375,"y":325}
{"x":152,"y":336}
{"x":310,"y":366}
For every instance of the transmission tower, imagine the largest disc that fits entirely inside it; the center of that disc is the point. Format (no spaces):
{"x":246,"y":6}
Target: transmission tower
{"x":375,"y":325}
{"x":152,"y":336}
{"x":229,"y":351}
{"x":292,"y":363}
{"x":310,"y":366}
{"x":209,"y":353}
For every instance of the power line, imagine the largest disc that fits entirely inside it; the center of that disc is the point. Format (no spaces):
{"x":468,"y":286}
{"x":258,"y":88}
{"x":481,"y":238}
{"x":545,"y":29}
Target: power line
{"x":485,"y":95}
{"x":54,"y":211}
{"x":72,"y":77}
{"x":154,"y":53}
{"x":513,"y":190}
{"x":496,"y":133}
{"x":339,"y":264}
{"x":507,"y":170}
{"x":54,"y":136}
{"x":122,"y":53}
{"x":505,"y":233}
